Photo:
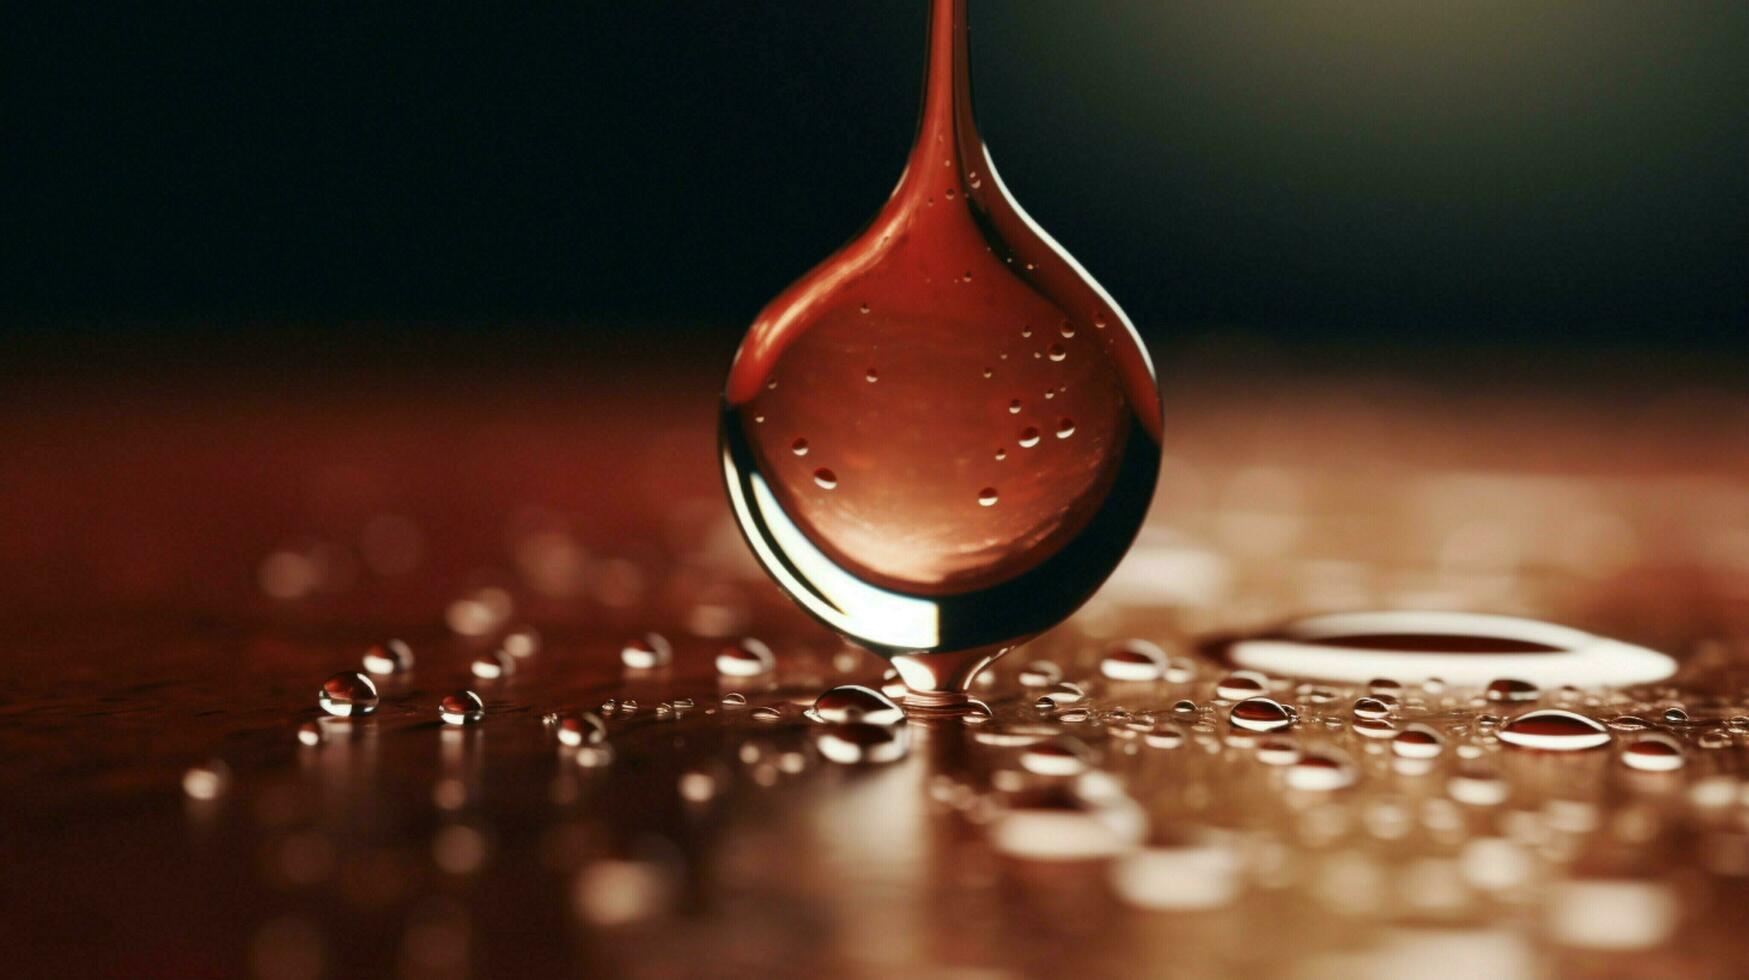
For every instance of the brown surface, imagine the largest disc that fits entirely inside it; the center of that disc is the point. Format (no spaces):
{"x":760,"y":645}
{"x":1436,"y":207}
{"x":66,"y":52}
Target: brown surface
{"x":139,"y":643}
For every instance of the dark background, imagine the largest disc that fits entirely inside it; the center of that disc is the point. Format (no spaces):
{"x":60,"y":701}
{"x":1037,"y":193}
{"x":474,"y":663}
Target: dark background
{"x":1324,"y":176}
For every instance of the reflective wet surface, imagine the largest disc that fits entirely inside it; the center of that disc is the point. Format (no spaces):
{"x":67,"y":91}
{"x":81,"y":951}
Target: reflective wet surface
{"x":191,"y":809}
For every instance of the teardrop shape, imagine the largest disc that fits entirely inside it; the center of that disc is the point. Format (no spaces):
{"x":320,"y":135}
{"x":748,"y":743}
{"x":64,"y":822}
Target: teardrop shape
{"x":891,"y":532}
{"x":1554,"y":730}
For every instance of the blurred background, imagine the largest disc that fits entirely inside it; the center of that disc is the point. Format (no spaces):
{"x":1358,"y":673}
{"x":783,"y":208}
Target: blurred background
{"x":1547,"y":177}
{"x":279,"y":270}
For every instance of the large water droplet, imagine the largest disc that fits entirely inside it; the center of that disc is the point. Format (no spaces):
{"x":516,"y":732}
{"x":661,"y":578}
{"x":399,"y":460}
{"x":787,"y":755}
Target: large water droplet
{"x":1260,"y":715}
{"x":348,"y":693}
{"x":1656,"y":752}
{"x":1554,"y":730}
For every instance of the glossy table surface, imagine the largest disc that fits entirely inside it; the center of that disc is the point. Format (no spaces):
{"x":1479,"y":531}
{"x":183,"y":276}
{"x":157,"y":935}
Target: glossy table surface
{"x":188,"y":557}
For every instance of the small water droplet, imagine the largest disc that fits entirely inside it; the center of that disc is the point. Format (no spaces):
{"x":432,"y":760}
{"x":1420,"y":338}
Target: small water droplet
{"x":1418,"y":742}
{"x":825,"y":478}
{"x":579,"y":728}
{"x":1014,"y":407}
{"x":734,"y":699}
{"x":863,"y":307}
{"x":1675,"y":716}
{"x":747,"y":658}
{"x":1511,"y":691}
{"x":388,"y":657}
{"x":1056,"y":352}
{"x":1134,"y":660}
{"x":1184,"y":707}
{"x":1067,"y":330}
{"x":1554,"y":730}
{"x":1259,"y":714}
{"x":766,"y":714}
{"x":309,"y":733}
{"x":1384,"y":685}
{"x":854,"y":702}
{"x":1379,"y":706}
{"x":988,"y":373}
{"x":1374,"y":727}
{"x":493,"y":666}
{"x":987,"y":497}
{"x":1028,"y":437}
{"x":1026,"y":331}
{"x":646,"y":652}
{"x":799,"y":447}
{"x":1242,"y":684}
{"x":461,"y":708}
{"x":872,"y":376}
{"x":1629,"y":723}
{"x":348,"y":693}
{"x":1656,"y":752}
{"x":1065,"y":428}
{"x":1001,"y":454}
